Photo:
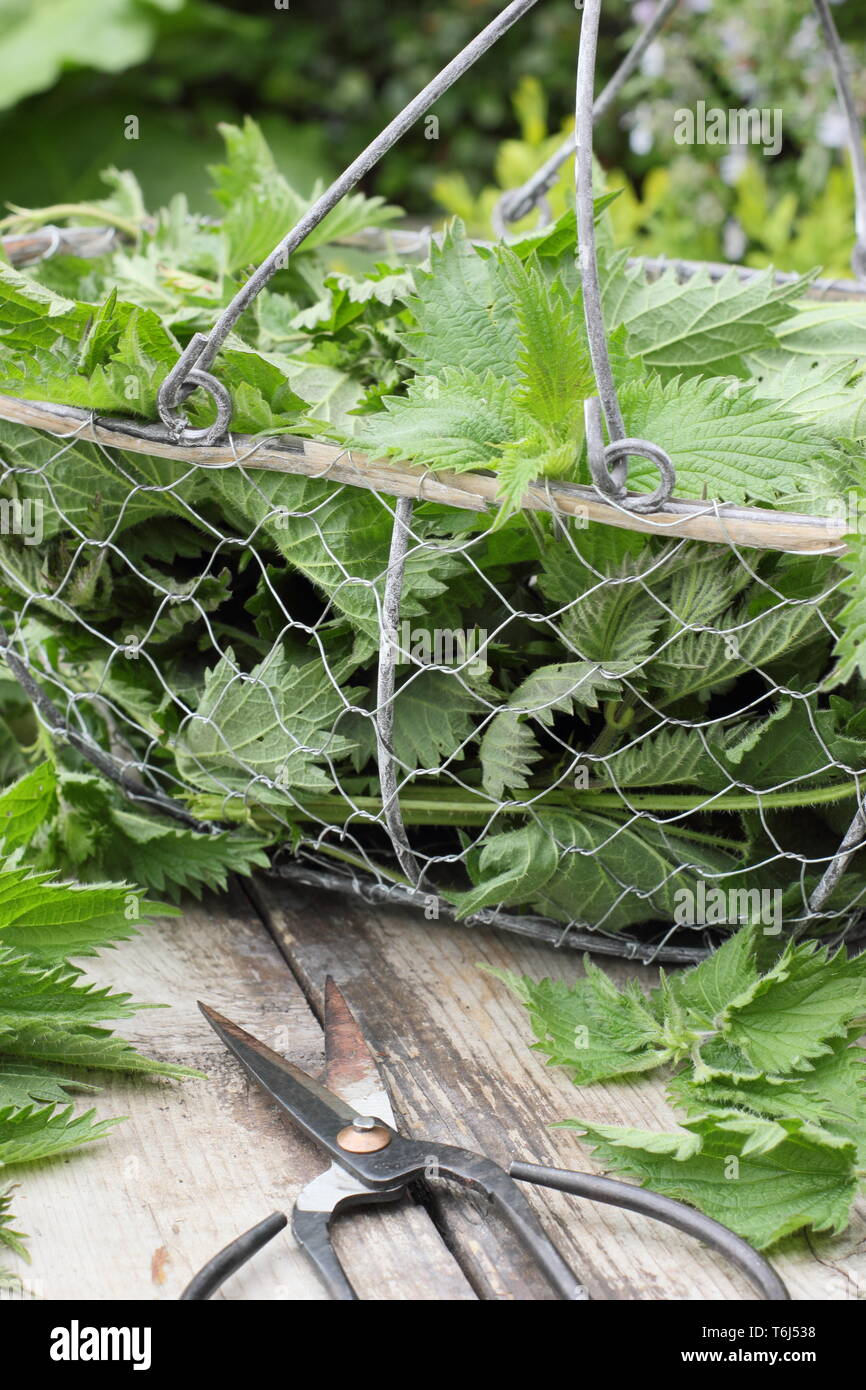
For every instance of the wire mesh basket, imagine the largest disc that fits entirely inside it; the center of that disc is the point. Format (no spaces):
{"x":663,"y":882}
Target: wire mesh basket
{"x":391,"y":752}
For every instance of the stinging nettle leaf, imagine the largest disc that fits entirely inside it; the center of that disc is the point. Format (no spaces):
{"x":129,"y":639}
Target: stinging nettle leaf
{"x":789,"y":1176}
{"x":274,"y":724}
{"x":698,"y":325}
{"x":458,"y":420}
{"x":725,"y":443}
{"x":508,"y":749}
{"x":593,"y":1029}
{"x":25,"y":806}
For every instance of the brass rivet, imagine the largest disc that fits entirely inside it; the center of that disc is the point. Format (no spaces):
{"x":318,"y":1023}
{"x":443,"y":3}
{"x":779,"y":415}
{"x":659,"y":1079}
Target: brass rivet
{"x":357,"y":1140}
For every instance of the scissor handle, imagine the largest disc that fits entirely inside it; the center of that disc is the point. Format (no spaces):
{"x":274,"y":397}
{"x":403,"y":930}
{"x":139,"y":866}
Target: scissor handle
{"x":310,"y":1226}
{"x":310,"y":1229}
{"x":482,"y":1174}
{"x":665,"y":1209}
{"x":231,"y":1257}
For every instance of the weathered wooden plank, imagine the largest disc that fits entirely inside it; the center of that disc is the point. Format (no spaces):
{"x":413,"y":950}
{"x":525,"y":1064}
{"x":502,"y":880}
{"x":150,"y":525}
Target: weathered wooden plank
{"x":718,"y":522}
{"x":454,"y":1045}
{"x":198,"y":1162}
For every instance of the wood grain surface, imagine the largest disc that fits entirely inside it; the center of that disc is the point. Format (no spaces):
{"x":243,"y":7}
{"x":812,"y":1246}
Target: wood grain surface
{"x":454,"y":1046}
{"x":199,"y":1161}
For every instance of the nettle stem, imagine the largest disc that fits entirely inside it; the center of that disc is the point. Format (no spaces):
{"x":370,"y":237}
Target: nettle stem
{"x":446,"y":807}
{"x":40,"y":217}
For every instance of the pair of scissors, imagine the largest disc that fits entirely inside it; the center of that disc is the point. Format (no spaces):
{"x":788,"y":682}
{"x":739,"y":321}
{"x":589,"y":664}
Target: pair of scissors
{"x":349,"y":1116}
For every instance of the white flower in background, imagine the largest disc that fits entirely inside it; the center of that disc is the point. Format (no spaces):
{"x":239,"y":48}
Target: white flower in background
{"x":732,"y":164}
{"x":653,"y":61}
{"x":643,"y":11}
{"x":708,"y":209}
{"x":738,"y":44}
{"x":833,"y":128}
{"x":699,"y":6}
{"x":736,"y":38}
{"x":641,"y":136}
{"x":803,"y":43}
{"x":734,"y":240}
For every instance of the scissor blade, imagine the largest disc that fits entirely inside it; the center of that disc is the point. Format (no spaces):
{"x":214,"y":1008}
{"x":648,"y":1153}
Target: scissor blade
{"x":316,"y":1109}
{"x":351,"y":1070}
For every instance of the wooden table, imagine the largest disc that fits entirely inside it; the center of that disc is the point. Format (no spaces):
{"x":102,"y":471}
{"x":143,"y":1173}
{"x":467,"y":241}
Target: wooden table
{"x":199,"y":1161}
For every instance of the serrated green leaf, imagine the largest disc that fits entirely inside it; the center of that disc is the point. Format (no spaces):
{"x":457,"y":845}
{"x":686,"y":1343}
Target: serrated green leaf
{"x":53,"y":920}
{"x":460,"y":317}
{"x":433,"y":719}
{"x":14,"y":1240}
{"x":592,"y":1029}
{"x":340,"y":539}
{"x":827,"y":392}
{"x":725,"y":443}
{"x":48,"y":1015}
{"x":111,"y":358}
{"x":506,"y":752}
{"x":700,"y":661}
{"x":827,"y":330}
{"x":524,"y":461}
{"x":830,"y":1095}
{"x":22,"y":1083}
{"x":851,"y":646}
{"x":697,"y":325}
{"x":730,"y":971}
{"x":26,"y":805}
{"x":555,"y":368}
{"x":513,"y":867}
{"x":817,"y":995}
{"x":458,"y":420}
{"x":763,"y":1180}
{"x":172,"y":859}
{"x":261,"y":207}
{"x":609,"y":872}
{"x":44,"y":1132}
{"x":274,"y":725}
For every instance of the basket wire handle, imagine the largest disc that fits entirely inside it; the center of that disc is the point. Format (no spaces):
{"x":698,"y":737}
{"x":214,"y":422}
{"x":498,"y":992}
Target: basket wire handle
{"x":517,"y":203}
{"x":608,"y":466}
{"x":191,"y":371}
{"x":202,"y":349}
{"x":385,"y":690}
{"x":855,"y":135}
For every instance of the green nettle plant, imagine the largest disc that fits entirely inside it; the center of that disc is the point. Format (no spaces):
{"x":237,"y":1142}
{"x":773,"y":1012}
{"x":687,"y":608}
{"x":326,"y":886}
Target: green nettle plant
{"x":53,"y":1032}
{"x":759,"y":1048}
{"x":475,"y":361}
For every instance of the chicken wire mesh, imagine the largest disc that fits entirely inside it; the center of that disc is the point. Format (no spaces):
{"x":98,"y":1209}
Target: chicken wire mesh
{"x":299,"y":669}
{"x":210,"y":734}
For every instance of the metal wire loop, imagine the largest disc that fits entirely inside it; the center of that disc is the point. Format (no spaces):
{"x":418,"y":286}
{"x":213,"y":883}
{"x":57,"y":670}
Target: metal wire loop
{"x":608,"y":465}
{"x":177,"y":423}
{"x":202,"y":350}
{"x":653,"y":501}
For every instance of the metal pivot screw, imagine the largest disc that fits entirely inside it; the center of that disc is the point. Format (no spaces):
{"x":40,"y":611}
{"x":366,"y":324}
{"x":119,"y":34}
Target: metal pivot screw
{"x":365,"y":1135}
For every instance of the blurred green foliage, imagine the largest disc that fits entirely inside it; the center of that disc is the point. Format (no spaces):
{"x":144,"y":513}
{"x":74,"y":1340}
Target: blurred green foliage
{"x":322,"y":82}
